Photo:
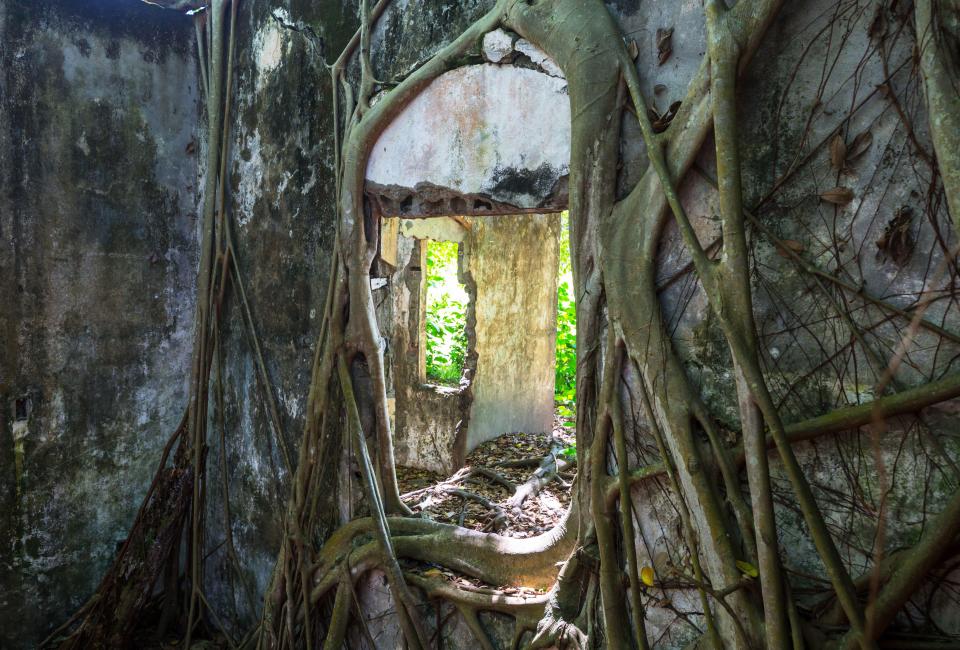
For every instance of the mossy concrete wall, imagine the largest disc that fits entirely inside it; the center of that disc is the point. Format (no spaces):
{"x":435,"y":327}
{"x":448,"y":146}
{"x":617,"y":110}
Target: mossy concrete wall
{"x":99,"y":142}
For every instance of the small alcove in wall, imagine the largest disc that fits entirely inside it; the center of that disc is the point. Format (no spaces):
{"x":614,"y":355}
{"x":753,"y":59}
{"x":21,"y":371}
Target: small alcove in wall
{"x":479,"y":158}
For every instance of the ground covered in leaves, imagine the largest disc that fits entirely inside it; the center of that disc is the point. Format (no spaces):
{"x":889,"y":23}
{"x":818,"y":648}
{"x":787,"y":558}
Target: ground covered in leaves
{"x":517,"y":485}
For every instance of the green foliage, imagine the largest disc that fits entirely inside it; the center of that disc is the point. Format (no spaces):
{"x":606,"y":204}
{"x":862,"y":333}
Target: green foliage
{"x":446,"y":315}
{"x":565,"y":386}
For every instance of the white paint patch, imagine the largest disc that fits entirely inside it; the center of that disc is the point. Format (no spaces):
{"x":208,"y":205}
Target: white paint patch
{"x":474,"y":124}
{"x":269,"y":46}
{"x":251,"y":179}
{"x":282,"y":186}
{"x":539,"y":57}
{"x":82,"y":144}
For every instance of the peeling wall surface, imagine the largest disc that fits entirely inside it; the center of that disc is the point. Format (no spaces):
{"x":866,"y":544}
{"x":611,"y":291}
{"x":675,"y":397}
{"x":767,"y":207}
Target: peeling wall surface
{"x":496,"y":134}
{"x":428,"y":419}
{"x":98,"y":201}
{"x":281,"y":193}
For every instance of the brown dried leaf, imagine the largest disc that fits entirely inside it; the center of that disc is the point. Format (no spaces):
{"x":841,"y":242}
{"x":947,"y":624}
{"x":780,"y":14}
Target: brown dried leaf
{"x":838,"y":152}
{"x":838,"y":195}
{"x":664,"y":45}
{"x":790,"y":245}
{"x":878,"y":28}
{"x":661,"y":122}
{"x":633,"y":49}
{"x":663,"y":37}
{"x":861,"y":143}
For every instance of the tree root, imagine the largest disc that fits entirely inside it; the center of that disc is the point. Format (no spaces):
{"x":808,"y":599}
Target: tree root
{"x":548,"y":470}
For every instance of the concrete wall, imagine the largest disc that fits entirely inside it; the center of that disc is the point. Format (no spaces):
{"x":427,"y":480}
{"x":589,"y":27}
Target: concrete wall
{"x":427,"y":418}
{"x":513,"y":263}
{"x":489,"y":138}
{"x":99,"y":144}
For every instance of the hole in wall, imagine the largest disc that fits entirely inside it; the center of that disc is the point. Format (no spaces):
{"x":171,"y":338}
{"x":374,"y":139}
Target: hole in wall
{"x":21,"y":408}
{"x":513,"y":396}
{"x":497,"y":334}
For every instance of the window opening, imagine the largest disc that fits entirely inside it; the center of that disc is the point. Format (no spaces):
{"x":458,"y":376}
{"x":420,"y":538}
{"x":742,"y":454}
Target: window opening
{"x":446,"y":314}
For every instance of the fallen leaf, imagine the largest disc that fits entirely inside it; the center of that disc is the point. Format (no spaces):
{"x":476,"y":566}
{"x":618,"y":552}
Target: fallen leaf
{"x":859,"y":145}
{"x":647,"y":576}
{"x":838,"y":195}
{"x":789,"y":245}
{"x":432,"y":573}
{"x":661,"y":122}
{"x":664,"y":45}
{"x":838,"y":152}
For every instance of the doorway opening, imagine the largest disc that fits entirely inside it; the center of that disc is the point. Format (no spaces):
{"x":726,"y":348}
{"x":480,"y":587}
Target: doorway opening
{"x":496,"y":331}
{"x":482,"y":388}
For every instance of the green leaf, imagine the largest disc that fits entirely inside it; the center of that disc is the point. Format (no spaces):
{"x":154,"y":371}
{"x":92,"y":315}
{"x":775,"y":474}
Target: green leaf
{"x":748,"y":569}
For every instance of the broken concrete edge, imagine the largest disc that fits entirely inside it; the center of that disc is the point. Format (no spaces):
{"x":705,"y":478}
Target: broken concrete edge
{"x":501,"y":46}
{"x":429,"y":200}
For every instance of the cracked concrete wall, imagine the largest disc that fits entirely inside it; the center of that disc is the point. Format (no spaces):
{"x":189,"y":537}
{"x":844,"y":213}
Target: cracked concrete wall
{"x":98,"y":201}
{"x":480,"y":139}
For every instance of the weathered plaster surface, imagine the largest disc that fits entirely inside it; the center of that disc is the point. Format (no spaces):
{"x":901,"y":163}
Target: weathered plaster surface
{"x":427,"y":418}
{"x":513,"y":262}
{"x":98,"y":124}
{"x":498,"y":131}
{"x":281,"y":200}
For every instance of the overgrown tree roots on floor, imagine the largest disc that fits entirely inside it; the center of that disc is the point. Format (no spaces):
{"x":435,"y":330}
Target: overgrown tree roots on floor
{"x":589,"y":563}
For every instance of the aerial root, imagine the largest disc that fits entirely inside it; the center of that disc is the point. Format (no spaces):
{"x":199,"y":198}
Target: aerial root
{"x":561,"y":635}
{"x":499,"y":518}
{"x":550,"y":469}
{"x":468,"y":601}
